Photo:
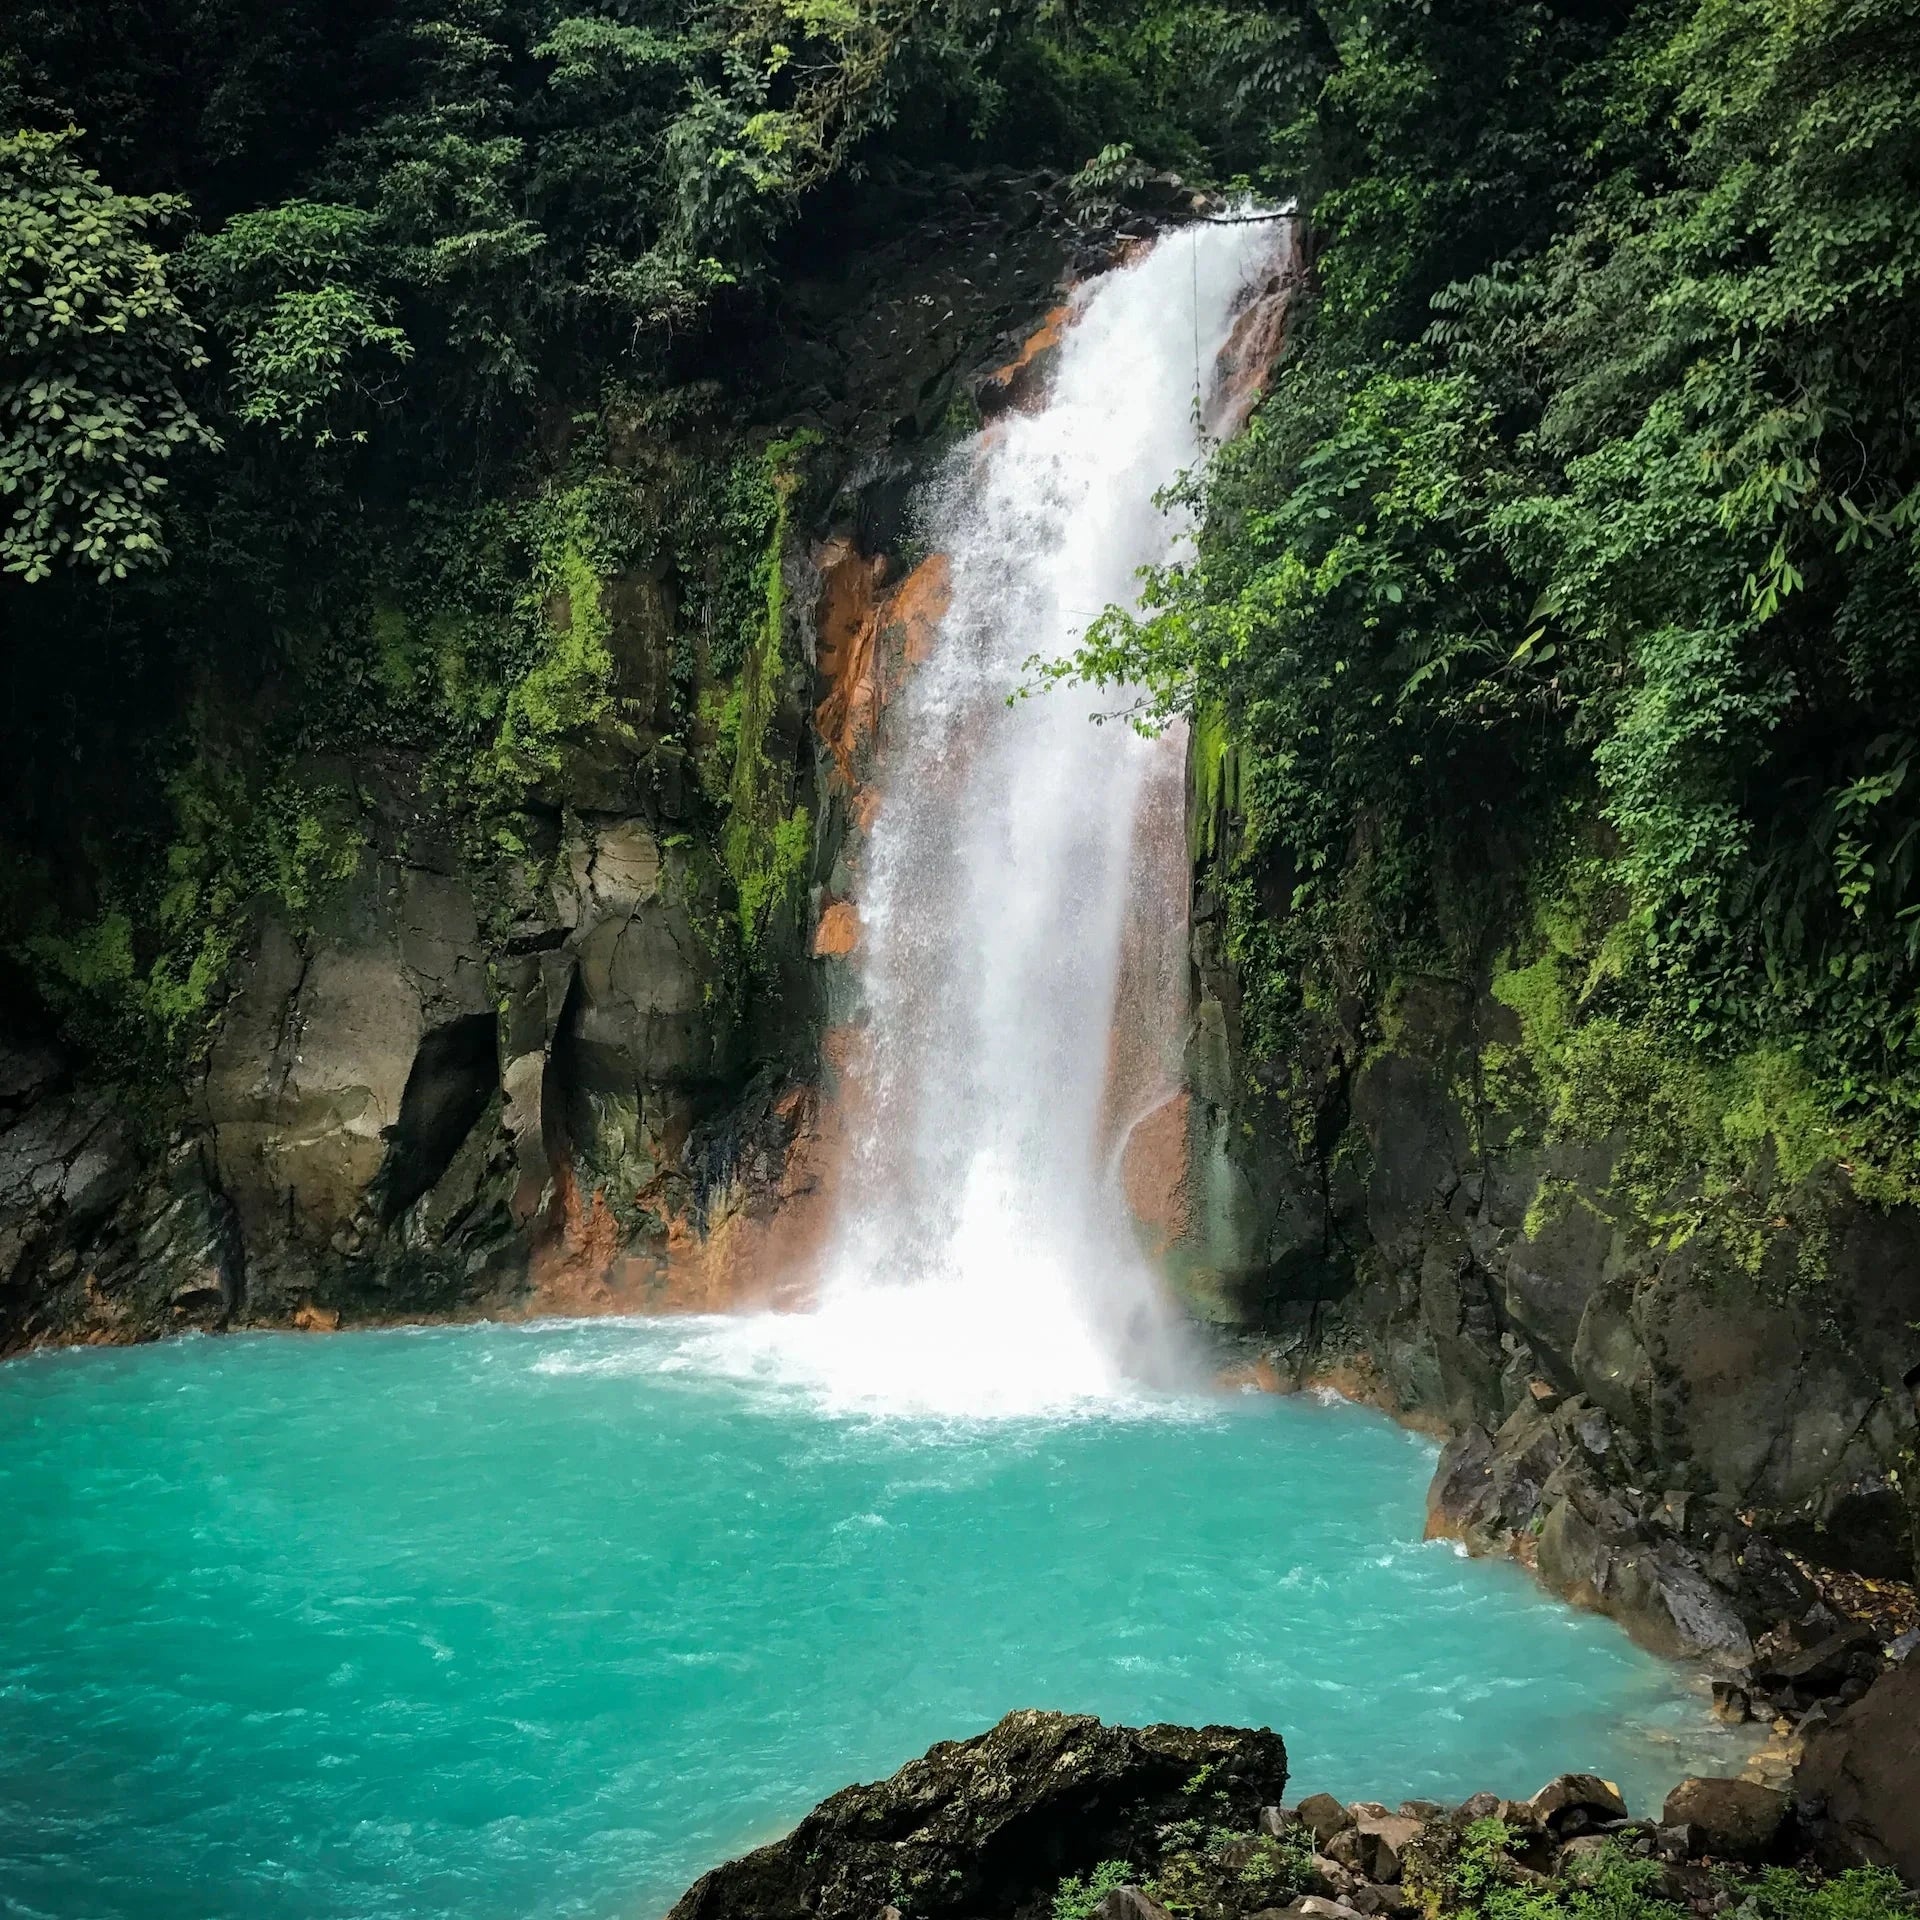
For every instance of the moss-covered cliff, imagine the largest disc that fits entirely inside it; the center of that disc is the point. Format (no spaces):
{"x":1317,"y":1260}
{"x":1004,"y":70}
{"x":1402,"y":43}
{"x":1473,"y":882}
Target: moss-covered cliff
{"x":503,"y":995}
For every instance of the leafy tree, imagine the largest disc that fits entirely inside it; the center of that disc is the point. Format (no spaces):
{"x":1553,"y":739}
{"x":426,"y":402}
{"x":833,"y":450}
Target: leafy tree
{"x":293,"y":290}
{"x":93,"y":344}
{"x":1579,"y":534}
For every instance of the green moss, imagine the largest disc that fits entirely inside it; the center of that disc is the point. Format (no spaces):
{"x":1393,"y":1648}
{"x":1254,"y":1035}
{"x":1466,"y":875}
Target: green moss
{"x":493,"y":638}
{"x":564,"y":692}
{"x":767,"y":842}
{"x":1737,"y":1151}
{"x":142,"y":979}
{"x":1213,"y":775}
{"x":1553,"y":1201}
{"x":399,"y":657}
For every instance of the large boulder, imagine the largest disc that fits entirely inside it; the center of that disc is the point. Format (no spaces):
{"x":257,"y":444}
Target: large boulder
{"x":1862,"y":1772}
{"x":1731,"y":1819}
{"x":370,"y":1040}
{"x":990,"y":1826}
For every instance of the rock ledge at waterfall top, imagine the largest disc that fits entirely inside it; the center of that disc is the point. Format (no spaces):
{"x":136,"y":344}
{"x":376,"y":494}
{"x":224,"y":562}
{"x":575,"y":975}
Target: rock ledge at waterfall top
{"x":1050,"y":1813}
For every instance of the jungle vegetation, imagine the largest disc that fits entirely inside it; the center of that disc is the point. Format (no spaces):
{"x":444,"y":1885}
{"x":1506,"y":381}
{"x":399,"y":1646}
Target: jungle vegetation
{"x":349,"y":351}
{"x":1555,"y":622}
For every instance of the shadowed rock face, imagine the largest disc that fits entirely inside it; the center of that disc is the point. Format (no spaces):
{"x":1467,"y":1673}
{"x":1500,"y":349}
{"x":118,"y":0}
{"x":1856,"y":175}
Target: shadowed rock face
{"x":1863,"y":1772}
{"x":988,"y":1827}
{"x":1472,"y":1260}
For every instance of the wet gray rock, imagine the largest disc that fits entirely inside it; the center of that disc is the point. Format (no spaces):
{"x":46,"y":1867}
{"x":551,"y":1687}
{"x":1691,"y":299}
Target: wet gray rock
{"x":1596,"y":1553}
{"x":1681,"y":1581}
{"x":350,"y":1070}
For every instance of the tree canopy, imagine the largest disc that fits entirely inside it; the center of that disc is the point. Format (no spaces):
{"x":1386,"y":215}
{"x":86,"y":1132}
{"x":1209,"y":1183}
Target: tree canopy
{"x":1574,"y":553}
{"x":1561,"y":598}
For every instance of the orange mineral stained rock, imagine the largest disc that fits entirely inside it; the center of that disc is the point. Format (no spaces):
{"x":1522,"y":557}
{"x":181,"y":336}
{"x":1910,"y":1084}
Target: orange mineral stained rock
{"x":1153,"y":1172}
{"x":753,"y":1245}
{"x":838,"y":932}
{"x":1022,"y":382}
{"x":917,"y":607}
{"x":866,"y":637}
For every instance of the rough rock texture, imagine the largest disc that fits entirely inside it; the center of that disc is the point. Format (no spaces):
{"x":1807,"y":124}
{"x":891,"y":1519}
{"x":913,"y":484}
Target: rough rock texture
{"x":1733,"y":1819}
{"x":1466,"y":1267}
{"x":990,"y":1826}
{"x":1267,"y":1231}
{"x":1190,"y":1822}
{"x":1687,"y":1576}
{"x":1861,"y":1775}
{"x":348,"y":1080}
{"x":1487,"y":1269}
{"x":545,"y":1082}
{"x":100,"y":1238}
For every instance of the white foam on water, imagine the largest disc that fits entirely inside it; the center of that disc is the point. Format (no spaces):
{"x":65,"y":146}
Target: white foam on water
{"x":984,"y":1264}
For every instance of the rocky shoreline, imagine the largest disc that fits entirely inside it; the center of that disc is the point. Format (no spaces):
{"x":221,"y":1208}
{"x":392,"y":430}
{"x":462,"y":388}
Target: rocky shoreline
{"x":1787,"y":1645}
{"x":1051,"y":1816}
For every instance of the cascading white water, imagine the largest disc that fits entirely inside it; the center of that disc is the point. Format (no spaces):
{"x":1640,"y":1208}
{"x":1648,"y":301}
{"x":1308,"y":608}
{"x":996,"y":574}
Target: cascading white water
{"x":983,"y":1262}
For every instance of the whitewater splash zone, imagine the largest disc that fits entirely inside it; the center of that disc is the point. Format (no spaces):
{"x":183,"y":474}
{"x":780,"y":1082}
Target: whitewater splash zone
{"x":496,"y":1621}
{"x":479,"y":1623}
{"x":1023,"y":895}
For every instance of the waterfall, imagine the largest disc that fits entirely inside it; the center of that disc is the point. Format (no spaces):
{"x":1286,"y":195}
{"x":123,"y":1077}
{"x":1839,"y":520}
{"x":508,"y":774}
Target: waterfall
{"x":984,"y":1261}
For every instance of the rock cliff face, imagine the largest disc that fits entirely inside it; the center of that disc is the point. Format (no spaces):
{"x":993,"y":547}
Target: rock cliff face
{"x":1648,"y":1424}
{"x":476,"y":1085}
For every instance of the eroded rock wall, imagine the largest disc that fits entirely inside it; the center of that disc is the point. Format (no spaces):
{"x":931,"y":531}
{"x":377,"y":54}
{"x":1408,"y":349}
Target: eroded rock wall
{"x":560,"y":1080}
{"x":1404,"y":1223}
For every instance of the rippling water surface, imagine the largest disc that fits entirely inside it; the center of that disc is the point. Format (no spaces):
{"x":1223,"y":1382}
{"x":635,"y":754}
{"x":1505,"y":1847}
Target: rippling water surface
{"x":534,"y":1621}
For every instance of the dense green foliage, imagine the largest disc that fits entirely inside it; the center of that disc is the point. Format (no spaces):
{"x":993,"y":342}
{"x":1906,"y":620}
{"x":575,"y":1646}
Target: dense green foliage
{"x":1467,"y":1874}
{"x":366,"y":391}
{"x":1553,"y":626}
{"x":1570,"y":569}
{"x":92,"y":339}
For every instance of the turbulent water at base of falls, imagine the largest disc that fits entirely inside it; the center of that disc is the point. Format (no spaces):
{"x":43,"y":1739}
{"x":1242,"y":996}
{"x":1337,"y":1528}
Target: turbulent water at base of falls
{"x":984,"y":1262}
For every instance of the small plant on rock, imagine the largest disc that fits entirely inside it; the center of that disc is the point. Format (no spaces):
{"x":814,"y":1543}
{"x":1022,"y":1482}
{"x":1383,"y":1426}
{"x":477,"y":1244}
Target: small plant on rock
{"x":1080,"y":1895}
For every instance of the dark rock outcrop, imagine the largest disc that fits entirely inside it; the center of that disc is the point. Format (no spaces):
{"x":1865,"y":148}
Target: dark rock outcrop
{"x":1651,"y":1426}
{"x":1731,"y":1819}
{"x":990,"y":1826}
{"x":1860,"y":1776}
{"x":1684,"y":1575}
{"x":1049,"y":1812}
{"x":103,"y":1236}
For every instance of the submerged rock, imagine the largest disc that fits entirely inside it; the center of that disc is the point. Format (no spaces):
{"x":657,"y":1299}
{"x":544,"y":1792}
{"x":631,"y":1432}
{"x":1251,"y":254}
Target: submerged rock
{"x":990,"y":1826}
